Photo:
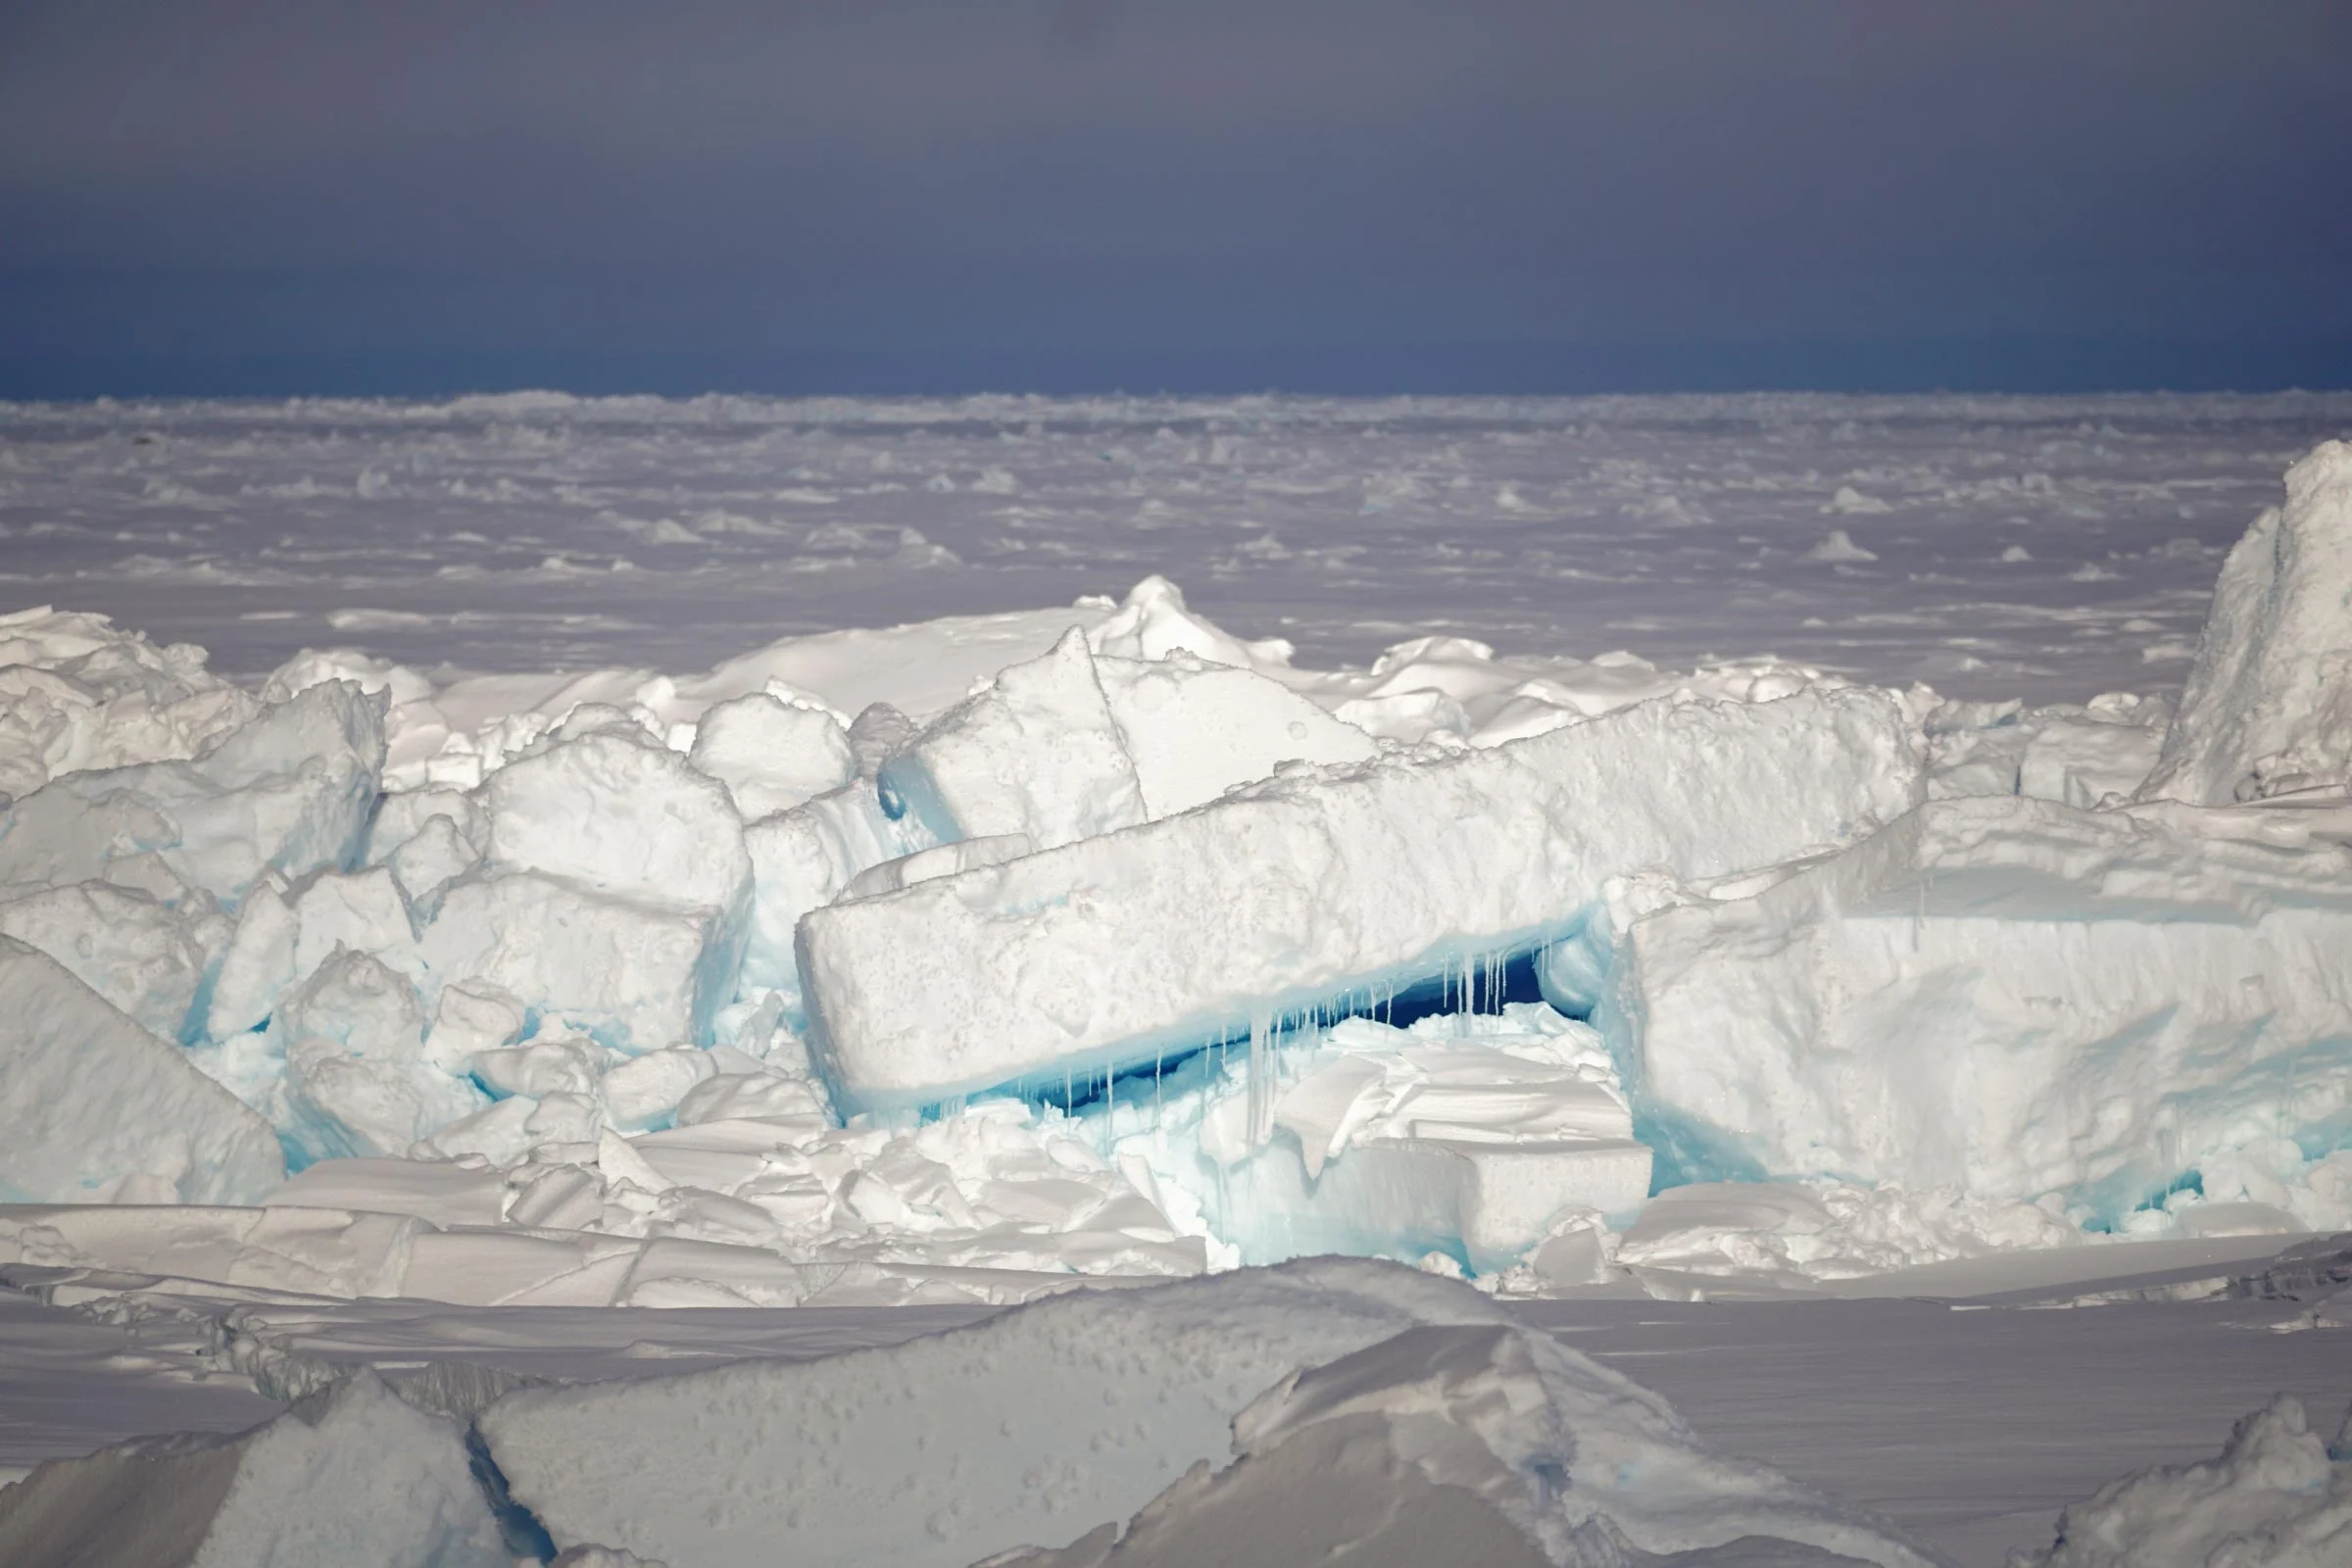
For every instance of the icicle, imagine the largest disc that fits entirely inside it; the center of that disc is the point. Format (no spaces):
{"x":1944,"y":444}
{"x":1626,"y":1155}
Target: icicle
{"x":1260,"y":1080}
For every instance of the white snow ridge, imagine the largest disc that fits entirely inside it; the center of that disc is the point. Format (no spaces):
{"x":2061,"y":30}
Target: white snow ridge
{"x":1085,"y":980}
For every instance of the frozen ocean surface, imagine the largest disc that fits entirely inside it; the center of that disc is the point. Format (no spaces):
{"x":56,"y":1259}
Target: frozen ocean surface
{"x":2041,"y":548}
{"x":737,"y":971}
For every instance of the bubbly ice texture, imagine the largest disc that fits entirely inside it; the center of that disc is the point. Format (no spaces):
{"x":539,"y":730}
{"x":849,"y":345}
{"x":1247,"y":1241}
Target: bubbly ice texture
{"x":2269,"y":706}
{"x":94,"y":1108}
{"x":1289,"y":894}
{"x":2004,"y":995}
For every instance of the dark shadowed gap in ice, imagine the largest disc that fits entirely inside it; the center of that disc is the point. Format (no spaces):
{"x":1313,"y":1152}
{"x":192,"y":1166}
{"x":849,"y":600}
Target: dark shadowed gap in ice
{"x":517,"y":1527}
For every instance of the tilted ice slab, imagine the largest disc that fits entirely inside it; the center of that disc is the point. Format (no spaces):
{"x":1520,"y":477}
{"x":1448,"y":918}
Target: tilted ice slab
{"x":1292,"y":894}
{"x":351,"y":1477}
{"x":93,"y":1107}
{"x":2007,"y":997}
{"x":2268,"y":704}
{"x":1039,"y":1426}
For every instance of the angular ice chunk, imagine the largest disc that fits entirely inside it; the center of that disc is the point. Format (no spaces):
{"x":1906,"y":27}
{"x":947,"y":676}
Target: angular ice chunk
{"x":771,"y":755}
{"x":93,"y":1106}
{"x":637,"y":973}
{"x":2269,"y":706}
{"x":357,"y":1079}
{"x":430,"y":861}
{"x":1195,"y":729}
{"x":144,"y":957}
{"x":77,"y":694}
{"x":290,"y":791}
{"x":1300,"y":890}
{"x":2004,"y":995}
{"x":1037,"y":753}
{"x":351,"y":1476}
{"x":803,"y":859}
{"x":617,"y":812}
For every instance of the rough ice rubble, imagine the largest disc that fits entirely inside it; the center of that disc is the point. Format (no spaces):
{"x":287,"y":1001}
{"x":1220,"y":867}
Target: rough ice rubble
{"x":81,"y":694}
{"x":2277,"y":1496}
{"x":640,"y":980}
{"x":94,"y":1108}
{"x":1286,"y":895}
{"x":2269,"y":706}
{"x":2005,"y":997}
{"x":289,"y":791}
{"x":349,"y":1477}
{"x":1039,"y":1427}
{"x":1474,"y":1136}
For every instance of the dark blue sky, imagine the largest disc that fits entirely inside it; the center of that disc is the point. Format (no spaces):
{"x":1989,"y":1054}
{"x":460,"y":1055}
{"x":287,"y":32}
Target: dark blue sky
{"x":1063,"y":195}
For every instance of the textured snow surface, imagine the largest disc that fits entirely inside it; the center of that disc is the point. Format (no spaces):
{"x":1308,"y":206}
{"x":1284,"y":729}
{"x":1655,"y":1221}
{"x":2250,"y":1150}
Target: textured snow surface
{"x":351,"y":1477}
{"x":2024,"y":547}
{"x":1043,"y":1425}
{"x":2277,"y":1496}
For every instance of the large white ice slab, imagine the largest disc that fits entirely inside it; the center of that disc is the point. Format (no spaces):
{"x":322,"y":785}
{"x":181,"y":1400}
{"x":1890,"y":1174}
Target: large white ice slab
{"x":2008,"y":997}
{"x":95,"y":1108}
{"x":2268,"y":704}
{"x":1292,"y":893}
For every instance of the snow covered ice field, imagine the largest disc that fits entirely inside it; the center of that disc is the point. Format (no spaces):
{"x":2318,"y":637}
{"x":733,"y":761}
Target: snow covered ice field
{"x":633,"y":961}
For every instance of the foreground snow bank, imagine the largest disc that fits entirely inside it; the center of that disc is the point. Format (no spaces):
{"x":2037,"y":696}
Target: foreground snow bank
{"x":1047,"y":1425}
{"x":2277,"y":1496}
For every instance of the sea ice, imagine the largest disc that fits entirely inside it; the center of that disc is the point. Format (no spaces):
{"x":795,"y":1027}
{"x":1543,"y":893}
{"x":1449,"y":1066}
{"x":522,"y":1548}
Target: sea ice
{"x":289,"y":791}
{"x":95,"y":1109}
{"x":1036,"y":754}
{"x":349,"y":1477}
{"x":1289,"y":894}
{"x":771,"y":755}
{"x":77,"y":694}
{"x":2269,"y":706}
{"x":2276,"y":1496}
{"x":2001,"y":996}
{"x":1042,"y":1425}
